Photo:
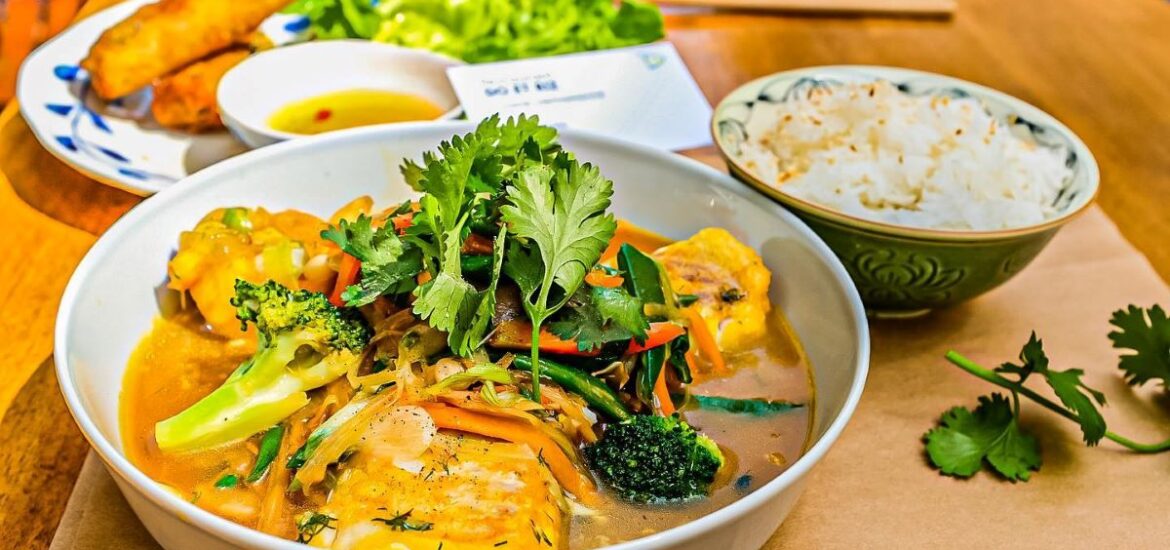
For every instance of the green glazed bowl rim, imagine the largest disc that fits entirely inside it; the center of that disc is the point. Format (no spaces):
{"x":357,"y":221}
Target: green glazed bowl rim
{"x":1086,"y":172}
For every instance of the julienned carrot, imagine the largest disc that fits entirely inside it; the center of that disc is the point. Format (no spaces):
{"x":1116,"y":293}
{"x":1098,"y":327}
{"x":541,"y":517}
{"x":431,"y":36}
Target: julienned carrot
{"x":692,"y":362}
{"x":659,"y":334}
{"x":515,"y":431}
{"x":402,"y":222}
{"x":517,"y":335}
{"x":598,"y":277}
{"x":704,"y":339}
{"x":347,"y":272}
{"x":555,"y":344}
{"x":664,"y":403}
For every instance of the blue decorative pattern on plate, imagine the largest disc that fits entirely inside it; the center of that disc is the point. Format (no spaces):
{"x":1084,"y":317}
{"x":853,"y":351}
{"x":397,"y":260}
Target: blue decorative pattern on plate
{"x":116,"y":142}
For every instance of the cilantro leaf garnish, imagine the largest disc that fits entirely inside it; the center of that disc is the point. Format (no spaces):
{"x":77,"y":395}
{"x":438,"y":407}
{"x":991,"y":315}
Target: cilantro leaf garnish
{"x":561,"y":212}
{"x":1148,"y":339}
{"x":388,"y":264}
{"x":311,"y":524}
{"x":617,"y":305}
{"x":448,"y":301}
{"x":964,"y":440}
{"x":596,"y":316}
{"x":457,"y":182}
{"x":404,"y":522}
{"x":467,"y":336}
{"x":500,"y":150}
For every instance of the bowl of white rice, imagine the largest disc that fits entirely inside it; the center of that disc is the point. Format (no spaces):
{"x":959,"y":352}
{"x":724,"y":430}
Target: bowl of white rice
{"x":931,"y":190}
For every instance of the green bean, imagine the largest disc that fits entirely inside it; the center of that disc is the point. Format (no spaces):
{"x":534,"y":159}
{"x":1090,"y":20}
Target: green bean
{"x":754,"y":407}
{"x":592,"y":389}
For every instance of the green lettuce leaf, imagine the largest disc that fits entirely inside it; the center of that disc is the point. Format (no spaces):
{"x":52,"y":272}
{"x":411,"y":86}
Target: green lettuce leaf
{"x":488,"y":30}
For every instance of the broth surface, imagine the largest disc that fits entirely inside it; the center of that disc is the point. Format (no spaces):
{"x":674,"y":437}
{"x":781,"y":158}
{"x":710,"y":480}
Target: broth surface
{"x":759,"y":448}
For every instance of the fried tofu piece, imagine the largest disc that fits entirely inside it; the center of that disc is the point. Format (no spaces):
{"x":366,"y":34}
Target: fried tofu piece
{"x":730,"y":280}
{"x":186,"y":100}
{"x":160,"y":38}
{"x":467,"y":494}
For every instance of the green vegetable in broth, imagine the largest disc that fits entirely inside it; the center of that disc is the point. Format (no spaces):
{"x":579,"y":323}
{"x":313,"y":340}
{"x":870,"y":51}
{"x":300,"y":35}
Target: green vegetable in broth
{"x":305,"y":343}
{"x":269,"y":447}
{"x":753,"y":407}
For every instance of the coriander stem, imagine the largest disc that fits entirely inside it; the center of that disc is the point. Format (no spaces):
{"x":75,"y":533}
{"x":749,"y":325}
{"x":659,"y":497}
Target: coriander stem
{"x":536,"y":362}
{"x":1138,"y":447}
{"x":991,"y":376}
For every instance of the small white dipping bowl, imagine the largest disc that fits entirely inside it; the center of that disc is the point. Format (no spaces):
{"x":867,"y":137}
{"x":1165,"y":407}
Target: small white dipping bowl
{"x":109,"y":306}
{"x":254,"y":90}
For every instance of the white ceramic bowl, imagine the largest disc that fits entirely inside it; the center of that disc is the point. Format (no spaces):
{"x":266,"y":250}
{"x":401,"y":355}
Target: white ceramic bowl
{"x":250,"y":93}
{"x":112,"y":299}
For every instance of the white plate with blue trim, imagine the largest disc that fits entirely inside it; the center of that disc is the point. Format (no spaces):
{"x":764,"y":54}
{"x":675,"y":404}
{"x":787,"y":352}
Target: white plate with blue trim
{"x":118,"y":142}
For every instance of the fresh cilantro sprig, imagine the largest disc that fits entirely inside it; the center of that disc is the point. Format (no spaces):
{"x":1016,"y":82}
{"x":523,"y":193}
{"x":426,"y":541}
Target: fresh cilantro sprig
{"x":559,"y":215}
{"x":467,"y":172}
{"x":965,"y":441}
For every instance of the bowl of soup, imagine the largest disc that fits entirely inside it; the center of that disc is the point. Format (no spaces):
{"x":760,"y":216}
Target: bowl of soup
{"x":315,"y":349}
{"x":319,"y":87}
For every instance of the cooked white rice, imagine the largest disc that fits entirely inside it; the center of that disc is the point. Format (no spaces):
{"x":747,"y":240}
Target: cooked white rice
{"x":871,"y":151}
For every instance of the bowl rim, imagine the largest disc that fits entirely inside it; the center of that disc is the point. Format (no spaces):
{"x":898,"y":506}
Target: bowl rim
{"x":979,"y":91}
{"x":119,"y":465}
{"x":351,"y":46}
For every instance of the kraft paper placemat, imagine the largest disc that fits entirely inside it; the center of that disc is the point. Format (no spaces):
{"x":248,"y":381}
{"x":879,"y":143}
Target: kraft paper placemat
{"x":875,"y":489}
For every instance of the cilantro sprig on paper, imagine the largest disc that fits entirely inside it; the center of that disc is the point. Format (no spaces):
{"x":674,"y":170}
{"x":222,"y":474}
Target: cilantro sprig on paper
{"x":966,"y":441}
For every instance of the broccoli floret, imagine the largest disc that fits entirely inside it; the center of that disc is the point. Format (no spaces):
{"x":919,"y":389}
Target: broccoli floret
{"x":655,"y":459}
{"x":304,"y":343}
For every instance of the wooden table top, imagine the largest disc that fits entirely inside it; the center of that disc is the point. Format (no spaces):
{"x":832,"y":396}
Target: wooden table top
{"x":1103,"y":72}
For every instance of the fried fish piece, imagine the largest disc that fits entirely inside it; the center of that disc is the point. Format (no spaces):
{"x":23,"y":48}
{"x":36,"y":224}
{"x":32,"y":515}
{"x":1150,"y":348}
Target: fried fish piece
{"x":465,"y":493}
{"x":730,"y":281}
{"x":162,"y":37}
{"x":185,"y":100}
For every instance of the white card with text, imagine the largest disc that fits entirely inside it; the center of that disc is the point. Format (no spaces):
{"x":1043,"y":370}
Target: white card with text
{"x":643,"y":94}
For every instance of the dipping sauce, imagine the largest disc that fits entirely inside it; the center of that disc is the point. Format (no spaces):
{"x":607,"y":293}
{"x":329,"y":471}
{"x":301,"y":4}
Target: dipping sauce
{"x":350,"y":109}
